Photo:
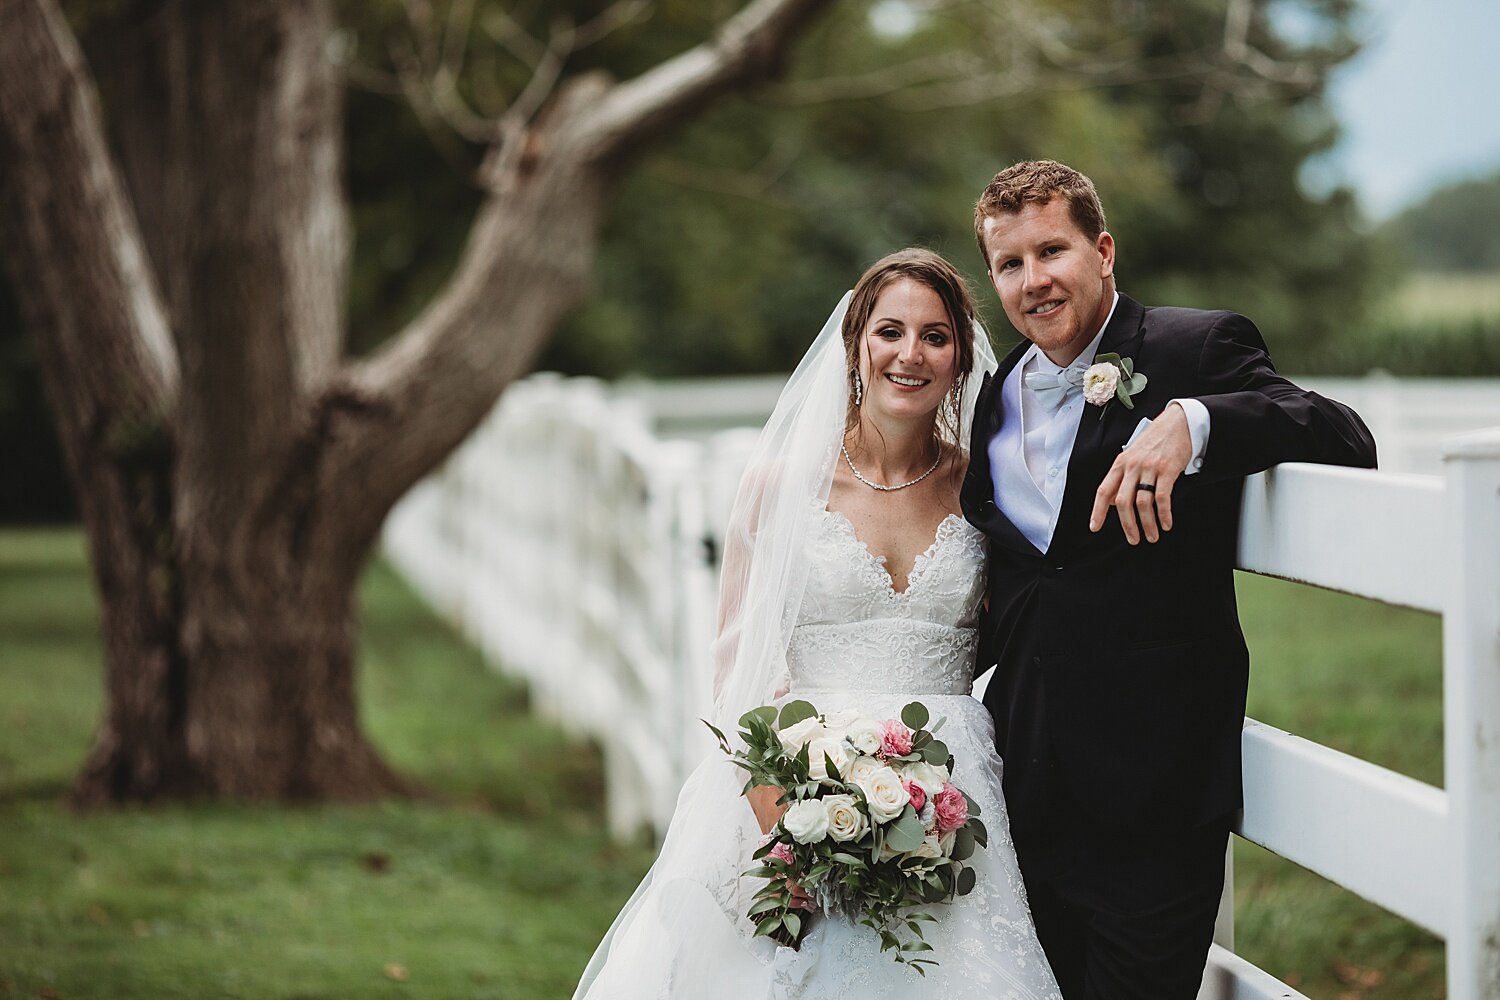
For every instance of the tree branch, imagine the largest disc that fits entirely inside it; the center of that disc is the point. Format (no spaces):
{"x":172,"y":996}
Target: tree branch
{"x":79,"y":263}
{"x":529,"y":256}
{"x":748,"y":48}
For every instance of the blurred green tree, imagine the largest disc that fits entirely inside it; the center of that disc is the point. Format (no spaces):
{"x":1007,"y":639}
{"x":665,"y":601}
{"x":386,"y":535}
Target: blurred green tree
{"x":1455,"y":229}
{"x":248,"y":369}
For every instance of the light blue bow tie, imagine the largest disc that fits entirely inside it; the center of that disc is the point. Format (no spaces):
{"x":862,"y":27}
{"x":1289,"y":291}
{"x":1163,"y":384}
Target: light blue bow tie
{"x":1054,"y":388}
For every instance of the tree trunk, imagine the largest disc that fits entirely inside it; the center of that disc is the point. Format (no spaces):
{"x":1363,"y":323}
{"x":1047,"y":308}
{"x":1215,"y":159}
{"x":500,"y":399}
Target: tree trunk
{"x":241,"y":686}
{"x":233,"y":470}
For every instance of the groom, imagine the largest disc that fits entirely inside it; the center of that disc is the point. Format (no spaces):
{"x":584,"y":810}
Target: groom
{"x":1119,"y":689}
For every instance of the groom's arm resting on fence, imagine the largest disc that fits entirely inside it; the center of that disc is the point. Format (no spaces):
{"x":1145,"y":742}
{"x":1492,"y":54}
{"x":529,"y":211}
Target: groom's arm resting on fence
{"x":1261,"y":419}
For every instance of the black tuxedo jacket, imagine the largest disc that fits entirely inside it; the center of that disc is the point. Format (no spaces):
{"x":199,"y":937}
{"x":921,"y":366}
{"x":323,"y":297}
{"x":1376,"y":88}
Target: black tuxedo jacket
{"x":1119,"y":689}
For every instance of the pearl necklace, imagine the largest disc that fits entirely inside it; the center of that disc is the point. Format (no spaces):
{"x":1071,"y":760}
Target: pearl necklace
{"x":879,"y":486}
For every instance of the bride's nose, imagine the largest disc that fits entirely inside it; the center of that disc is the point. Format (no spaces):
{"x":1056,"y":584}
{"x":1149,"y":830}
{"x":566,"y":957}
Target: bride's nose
{"x":911,"y":350}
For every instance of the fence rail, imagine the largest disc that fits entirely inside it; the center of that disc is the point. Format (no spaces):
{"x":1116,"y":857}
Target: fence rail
{"x":575,"y":546}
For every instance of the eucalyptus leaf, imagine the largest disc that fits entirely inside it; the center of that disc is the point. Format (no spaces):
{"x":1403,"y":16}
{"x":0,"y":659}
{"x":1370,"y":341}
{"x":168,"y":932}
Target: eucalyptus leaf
{"x":963,"y":844}
{"x":766,"y":714}
{"x":965,"y":882}
{"x":906,"y":833}
{"x":1110,"y":358}
{"x":1137,"y":383}
{"x":914,"y":715}
{"x":936,"y":753}
{"x":794,"y":712}
{"x":973,"y":806}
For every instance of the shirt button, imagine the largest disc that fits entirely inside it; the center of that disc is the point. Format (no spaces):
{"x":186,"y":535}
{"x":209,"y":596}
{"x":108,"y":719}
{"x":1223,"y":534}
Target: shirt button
{"x":1197,"y":463}
{"x":1052,"y":473}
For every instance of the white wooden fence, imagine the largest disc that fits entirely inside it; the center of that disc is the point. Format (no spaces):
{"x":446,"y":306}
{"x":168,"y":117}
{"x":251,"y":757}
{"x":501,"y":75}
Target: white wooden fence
{"x":576,"y":548}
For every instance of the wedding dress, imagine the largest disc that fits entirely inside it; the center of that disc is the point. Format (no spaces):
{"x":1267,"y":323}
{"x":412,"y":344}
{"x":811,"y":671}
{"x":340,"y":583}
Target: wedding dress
{"x":856,"y":643}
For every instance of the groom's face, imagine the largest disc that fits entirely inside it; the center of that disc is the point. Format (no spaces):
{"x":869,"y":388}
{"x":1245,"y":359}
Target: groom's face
{"x":1055,"y":283}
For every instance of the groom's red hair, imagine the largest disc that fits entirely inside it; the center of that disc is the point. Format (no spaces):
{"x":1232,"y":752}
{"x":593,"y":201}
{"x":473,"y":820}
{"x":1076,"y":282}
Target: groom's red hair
{"x":1036,"y":182}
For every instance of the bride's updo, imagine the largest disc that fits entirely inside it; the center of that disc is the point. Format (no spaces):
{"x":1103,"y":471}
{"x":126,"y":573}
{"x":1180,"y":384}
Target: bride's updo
{"x":934,"y":271}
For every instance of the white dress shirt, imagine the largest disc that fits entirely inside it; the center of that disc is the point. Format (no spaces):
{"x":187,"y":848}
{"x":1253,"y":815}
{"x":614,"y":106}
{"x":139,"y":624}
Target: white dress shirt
{"x":1030,"y":453}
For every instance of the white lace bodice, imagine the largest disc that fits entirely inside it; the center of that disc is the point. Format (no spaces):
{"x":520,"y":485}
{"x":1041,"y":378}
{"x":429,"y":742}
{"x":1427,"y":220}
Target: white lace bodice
{"x":855,"y":632}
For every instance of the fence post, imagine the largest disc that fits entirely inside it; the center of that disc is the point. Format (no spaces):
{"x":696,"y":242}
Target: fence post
{"x":1224,"y":920}
{"x":1471,"y":713}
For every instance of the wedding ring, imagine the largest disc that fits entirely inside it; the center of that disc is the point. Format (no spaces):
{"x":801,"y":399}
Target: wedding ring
{"x":1147,"y":487}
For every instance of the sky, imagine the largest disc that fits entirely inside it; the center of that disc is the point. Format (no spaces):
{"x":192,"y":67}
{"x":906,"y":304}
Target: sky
{"x":1418,"y":104}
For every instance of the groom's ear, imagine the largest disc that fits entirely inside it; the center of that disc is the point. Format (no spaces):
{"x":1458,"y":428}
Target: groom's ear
{"x":1105,"y":244}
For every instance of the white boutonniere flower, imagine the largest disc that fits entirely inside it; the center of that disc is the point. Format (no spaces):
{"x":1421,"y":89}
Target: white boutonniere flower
{"x":1109,"y":378}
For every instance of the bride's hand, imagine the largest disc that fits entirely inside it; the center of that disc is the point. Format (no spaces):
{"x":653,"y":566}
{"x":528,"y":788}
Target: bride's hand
{"x":768,"y":814}
{"x":763,"y":802}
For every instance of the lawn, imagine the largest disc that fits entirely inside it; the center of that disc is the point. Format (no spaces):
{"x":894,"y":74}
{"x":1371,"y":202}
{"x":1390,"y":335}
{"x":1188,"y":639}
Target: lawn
{"x":502,"y":887}
{"x":500,"y":891}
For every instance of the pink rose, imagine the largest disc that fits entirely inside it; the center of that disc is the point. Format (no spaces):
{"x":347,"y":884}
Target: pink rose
{"x":918,"y":795}
{"x":951,"y":809}
{"x":895,"y":739}
{"x":782,"y":852}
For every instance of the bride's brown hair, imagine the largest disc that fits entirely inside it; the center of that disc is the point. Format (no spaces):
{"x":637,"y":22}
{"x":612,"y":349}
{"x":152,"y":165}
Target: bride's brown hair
{"x":933,"y":270}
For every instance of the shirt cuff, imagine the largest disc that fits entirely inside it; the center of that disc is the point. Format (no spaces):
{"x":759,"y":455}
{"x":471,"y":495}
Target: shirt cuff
{"x":1198,"y":428}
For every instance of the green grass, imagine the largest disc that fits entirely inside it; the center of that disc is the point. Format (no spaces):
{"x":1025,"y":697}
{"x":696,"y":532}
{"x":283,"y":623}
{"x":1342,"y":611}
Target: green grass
{"x":502,"y":890}
{"x":1436,"y":298}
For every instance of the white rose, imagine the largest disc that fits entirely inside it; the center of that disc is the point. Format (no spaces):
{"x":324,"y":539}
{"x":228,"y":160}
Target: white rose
{"x":1099,"y":383}
{"x":826,"y":747}
{"x":793,"y":736}
{"x":806,"y":821}
{"x":864,"y":734}
{"x":845,"y":821}
{"x":860,"y":769}
{"x":884,"y":795}
{"x":931,"y":778}
{"x":842,"y":719}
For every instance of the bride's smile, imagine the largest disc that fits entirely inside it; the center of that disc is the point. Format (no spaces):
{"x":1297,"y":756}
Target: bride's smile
{"x":908,"y":347}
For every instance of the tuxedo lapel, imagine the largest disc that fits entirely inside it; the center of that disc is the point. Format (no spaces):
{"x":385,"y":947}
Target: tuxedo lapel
{"x":1100,"y":435}
{"x":979,"y":484}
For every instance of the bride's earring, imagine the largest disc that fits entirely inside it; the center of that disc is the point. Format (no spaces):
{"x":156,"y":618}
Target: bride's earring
{"x":859,"y":386}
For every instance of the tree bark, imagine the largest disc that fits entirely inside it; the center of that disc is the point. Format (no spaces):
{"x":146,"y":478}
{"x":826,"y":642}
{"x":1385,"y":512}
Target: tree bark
{"x":186,"y":300}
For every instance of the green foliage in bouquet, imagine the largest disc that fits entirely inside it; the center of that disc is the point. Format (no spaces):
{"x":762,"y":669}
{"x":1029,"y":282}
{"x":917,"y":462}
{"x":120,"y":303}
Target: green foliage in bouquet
{"x":855,"y":836}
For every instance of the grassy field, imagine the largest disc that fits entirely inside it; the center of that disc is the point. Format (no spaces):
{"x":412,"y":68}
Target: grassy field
{"x":502,"y":889}
{"x":1435,"y":298}
{"x":499,"y":893}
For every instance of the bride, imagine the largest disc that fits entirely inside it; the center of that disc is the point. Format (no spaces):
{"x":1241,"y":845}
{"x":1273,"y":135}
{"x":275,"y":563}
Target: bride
{"x":850,"y":581}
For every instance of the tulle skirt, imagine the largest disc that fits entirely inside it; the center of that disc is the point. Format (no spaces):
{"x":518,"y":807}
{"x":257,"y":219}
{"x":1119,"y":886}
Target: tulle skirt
{"x":683,"y":934}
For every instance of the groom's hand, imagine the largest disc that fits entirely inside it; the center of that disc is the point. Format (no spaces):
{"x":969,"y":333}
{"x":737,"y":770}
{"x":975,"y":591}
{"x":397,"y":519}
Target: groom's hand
{"x":1139,"y":484}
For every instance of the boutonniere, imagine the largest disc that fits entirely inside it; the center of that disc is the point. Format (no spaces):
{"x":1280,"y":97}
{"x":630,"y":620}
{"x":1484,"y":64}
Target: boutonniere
{"x":1109,"y":378}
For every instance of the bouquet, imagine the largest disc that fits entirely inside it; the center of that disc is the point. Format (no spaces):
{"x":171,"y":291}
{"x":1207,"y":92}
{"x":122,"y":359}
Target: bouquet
{"x":873,"y":828}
